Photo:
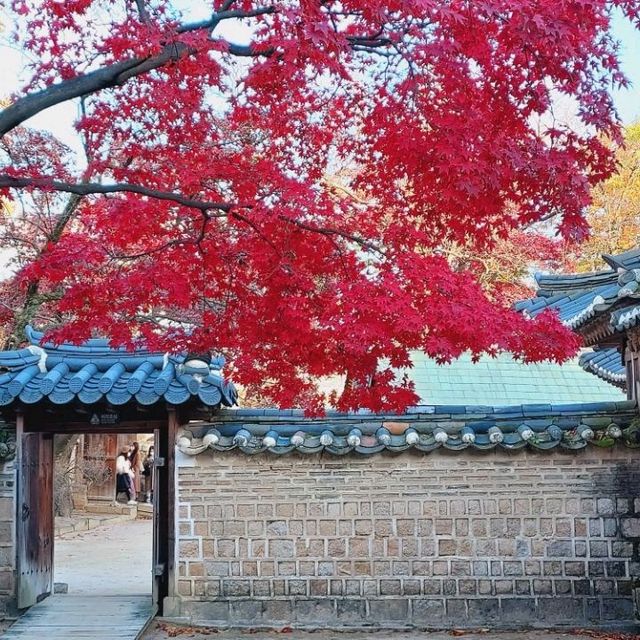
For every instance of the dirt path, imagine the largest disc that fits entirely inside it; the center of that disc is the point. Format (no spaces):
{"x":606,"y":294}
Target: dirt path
{"x":162,"y":631}
{"x":110,"y":560}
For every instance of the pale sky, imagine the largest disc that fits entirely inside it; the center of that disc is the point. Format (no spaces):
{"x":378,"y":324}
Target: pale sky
{"x":628,"y":101}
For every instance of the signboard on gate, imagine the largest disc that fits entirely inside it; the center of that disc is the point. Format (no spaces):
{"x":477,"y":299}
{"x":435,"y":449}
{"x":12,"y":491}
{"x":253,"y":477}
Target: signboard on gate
{"x":105,"y":418}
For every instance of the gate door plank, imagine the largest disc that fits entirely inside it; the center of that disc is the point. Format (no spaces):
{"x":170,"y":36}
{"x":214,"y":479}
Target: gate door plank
{"x":35,"y":519}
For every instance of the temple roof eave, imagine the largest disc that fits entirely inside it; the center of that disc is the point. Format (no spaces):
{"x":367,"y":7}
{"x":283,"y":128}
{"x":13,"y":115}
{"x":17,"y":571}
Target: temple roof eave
{"x":94,"y":372}
{"x":602,"y":306}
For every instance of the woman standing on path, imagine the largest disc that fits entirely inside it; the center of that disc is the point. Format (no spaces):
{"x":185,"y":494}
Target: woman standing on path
{"x":135,"y":458}
{"x":147,"y":473}
{"x":124,"y":479}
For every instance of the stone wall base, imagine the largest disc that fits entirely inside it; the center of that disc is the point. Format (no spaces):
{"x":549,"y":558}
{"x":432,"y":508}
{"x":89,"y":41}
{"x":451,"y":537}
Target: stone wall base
{"x":406,"y":613}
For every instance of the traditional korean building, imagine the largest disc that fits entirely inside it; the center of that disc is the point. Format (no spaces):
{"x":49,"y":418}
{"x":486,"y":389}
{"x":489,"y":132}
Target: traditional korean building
{"x":457,"y":513}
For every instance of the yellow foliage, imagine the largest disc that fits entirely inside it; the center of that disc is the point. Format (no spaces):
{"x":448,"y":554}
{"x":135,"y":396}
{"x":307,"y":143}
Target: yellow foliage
{"x":615,"y":213}
{"x":6,"y":207}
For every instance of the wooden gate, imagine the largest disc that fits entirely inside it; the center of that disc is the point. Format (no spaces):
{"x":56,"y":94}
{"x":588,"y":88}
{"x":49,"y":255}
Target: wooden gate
{"x":35,"y":519}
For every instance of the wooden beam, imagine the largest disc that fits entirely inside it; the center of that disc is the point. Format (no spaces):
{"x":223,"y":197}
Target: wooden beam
{"x":129,"y":426}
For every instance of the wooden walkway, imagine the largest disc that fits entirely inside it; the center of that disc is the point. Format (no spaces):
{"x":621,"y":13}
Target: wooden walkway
{"x":83,"y":618}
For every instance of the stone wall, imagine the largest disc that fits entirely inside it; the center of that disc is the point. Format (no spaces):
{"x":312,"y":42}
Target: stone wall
{"x":7,"y":524}
{"x":427,"y":540}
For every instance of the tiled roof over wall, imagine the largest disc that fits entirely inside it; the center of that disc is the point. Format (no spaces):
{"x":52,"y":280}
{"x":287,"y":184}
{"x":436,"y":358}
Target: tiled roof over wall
{"x":425,"y":429}
{"x":94,"y":371}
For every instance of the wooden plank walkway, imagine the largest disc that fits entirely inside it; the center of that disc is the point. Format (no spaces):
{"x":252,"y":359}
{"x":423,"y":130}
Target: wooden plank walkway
{"x":83,"y":618}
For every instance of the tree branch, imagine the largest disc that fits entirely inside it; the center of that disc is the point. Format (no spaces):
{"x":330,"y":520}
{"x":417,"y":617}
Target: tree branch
{"x":33,"y":103}
{"x":205,"y":206}
{"x":94,"y":188}
{"x":118,"y":73}
{"x":330,"y":231}
{"x":225,"y":14}
{"x":142,"y":11}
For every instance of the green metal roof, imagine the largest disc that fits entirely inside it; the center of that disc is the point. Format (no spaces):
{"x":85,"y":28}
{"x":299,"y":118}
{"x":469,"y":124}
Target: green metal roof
{"x":504,"y":381}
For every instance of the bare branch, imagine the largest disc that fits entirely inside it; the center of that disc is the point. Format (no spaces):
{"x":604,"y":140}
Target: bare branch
{"x":94,"y":188}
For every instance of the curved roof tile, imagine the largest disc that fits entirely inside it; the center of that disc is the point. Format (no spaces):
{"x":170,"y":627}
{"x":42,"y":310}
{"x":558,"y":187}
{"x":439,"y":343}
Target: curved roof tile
{"x":94,"y":371}
{"x":518,"y":427}
{"x":580,"y":298}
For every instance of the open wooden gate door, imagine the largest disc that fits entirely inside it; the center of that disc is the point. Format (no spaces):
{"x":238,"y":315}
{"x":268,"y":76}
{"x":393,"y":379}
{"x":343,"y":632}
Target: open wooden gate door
{"x":35,"y":519}
{"x":163,"y":513}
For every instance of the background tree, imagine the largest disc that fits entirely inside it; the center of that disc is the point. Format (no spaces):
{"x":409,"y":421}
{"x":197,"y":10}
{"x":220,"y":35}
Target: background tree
{"x":203,"y":219}
{"x":614,"y":215}
{"x":506,"y":271}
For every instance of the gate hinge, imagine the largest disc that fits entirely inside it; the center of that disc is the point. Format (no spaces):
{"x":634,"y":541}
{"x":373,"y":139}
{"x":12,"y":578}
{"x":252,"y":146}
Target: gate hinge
{"x":158,"y":570}
{"x":158,"y":462}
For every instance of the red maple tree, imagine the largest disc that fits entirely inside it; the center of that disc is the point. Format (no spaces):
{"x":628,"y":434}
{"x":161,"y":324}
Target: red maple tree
{"x":207,"y":214}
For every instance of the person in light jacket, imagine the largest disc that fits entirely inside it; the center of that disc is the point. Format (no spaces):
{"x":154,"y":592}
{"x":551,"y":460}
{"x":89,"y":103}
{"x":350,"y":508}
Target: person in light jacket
{"x":135,"y":460}
{"x":124,"y":476}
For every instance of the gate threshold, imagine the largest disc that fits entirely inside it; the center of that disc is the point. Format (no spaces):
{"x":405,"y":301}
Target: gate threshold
{"x":84,"y":618}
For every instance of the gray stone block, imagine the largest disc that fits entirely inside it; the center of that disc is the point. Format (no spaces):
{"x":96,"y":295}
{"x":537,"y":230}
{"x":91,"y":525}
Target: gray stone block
{"x":618,"y":609}
{"x":560,"y":610}
{"x":560,"y":549}
{"x":432,"y":587}
{"x":316,"y":611}
{"x":389,"y":587}
{"x":483,"y":610}
{"x":616,"y":569}
{"x":411,"y":587}
{"x":242,"y":612}
{"x":610,"y":527}
{"x":456,"y":610}
{"x":625,"y":587}
{"x":512,"y":568}
{"x":630,"y":527}
{"x":574,"y":568}
{"x":604,"y":587}
{"x":351,"y":611}
{"x":520,"y":610}
{"x":298,"y":587}
{"x":621,"y":549}
{"x":277,"y":612}
{"x":592,"y":611}
{"x":606,"y":506}
{"x":582,"y":587}
{"x":281,"y":548}
{"x":467,"y":587}
{"x":235,"y":588}
{"x":389,"y":610}
{"x":206,"y":612}
{"x":427,"y":611}
{"x":449,"y":587}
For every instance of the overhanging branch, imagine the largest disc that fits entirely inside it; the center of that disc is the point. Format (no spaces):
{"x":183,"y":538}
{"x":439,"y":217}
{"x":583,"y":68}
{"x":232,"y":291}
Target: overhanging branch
{"x":118,"y":73}
{"x":95,"y":188}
